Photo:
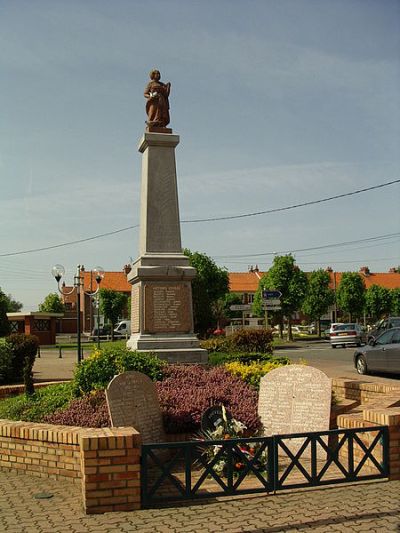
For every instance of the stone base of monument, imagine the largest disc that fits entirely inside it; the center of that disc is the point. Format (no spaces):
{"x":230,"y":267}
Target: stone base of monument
{"x":161,"y":311}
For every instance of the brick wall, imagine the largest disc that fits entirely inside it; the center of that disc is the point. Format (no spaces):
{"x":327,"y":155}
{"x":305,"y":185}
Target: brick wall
{"x":378,"y":404}
{"x":105,"y":461}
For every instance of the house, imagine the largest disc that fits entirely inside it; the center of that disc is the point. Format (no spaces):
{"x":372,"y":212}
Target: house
{"x":243,"y":283}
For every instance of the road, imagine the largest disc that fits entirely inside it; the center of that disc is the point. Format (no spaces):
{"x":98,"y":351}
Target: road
{"x":334,"y":362}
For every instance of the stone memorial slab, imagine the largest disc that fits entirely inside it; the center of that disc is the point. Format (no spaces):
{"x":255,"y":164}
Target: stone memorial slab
{"x":135,"y":309}
{"x":132,"y":401}
{"x":294,"y":399}
{"x":167,"y":308}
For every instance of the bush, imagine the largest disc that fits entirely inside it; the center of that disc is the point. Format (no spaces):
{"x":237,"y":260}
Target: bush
{"x":17,"y":357}
{"x":252,"y":340}
{"x":216,"y":344}
{"x":34,"y":408}
{"x":6,"y":363}
{"x":101,"y":366}
{"x":220,"y":358}
{"x":187,"y":391}
{"x":89,"y":411}
{"x":252,"y":373}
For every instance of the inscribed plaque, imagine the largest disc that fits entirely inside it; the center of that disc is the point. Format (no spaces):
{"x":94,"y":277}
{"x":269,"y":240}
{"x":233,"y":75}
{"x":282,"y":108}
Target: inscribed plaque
{"x":132,"y":401}
{"x":167,"y":308}
{"x":135,"y":309}
{"x":294,"y":399}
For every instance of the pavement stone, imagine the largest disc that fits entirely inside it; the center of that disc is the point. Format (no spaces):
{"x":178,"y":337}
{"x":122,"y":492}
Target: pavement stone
{"x":351,"y":508}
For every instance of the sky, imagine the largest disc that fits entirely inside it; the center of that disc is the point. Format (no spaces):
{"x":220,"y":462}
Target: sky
{"x":277,"y":103}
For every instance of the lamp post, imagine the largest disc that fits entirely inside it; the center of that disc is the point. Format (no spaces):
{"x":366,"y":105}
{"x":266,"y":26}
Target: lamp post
{"x":58,"y":272}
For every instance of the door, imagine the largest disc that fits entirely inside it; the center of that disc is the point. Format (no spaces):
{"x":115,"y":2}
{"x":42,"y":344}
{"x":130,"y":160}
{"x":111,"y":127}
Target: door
{"x":393,"y":353}
{"x":377,"y":358}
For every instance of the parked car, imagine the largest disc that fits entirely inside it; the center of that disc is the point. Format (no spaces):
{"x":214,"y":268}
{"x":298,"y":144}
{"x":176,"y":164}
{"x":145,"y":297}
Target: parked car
{"x":343,"y":334}
{"x":102,"y":331}
{"x":123,"y":328}
{"x":381,"y":354}
{"x":383,"y":325}
{"x":331,"y":329}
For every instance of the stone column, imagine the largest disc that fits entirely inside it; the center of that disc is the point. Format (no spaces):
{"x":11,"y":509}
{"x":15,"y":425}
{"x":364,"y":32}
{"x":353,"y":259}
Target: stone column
{"x":162,"y":311}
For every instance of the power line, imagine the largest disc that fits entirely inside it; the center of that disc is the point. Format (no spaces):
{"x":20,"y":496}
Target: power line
{"x":278,"y":209}
{"x":70,"y":242}
{"x":344,"y":243}
{"x":212,"y":219}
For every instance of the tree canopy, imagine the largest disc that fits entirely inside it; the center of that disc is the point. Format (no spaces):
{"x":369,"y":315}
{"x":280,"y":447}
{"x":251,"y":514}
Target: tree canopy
{"x":112,"y":305}
{"x":350,"y":294}
{"x":4,"y":323}
{"x":52,"y":304}
{"x":286,"y":277}
{"x":378,"y":301}
{"x":210,"y":284}
{"x":319,"y":295}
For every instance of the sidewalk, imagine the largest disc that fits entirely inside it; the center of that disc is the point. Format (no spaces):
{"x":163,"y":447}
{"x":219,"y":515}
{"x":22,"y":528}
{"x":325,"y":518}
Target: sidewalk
{"x":372,"y":507}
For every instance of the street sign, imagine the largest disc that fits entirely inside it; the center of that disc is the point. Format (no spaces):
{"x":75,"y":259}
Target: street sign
{"x":271,"y":295}
{"x":240,"y":307}
{"x":268,"y":307}
{"x":272,"y":302}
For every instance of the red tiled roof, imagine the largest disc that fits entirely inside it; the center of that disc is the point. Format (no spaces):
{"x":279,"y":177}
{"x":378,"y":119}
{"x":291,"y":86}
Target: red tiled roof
{"x":244,"y":281}
{"x":116,"y":281}
{"x":239,"y":281}
{"x":390,"y":280}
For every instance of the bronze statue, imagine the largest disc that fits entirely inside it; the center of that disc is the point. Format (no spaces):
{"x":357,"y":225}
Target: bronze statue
{"x":157,"y":105}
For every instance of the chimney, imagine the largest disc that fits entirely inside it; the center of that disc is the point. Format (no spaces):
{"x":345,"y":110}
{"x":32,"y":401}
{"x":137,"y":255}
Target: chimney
{"x":365,"y":271}
{"x":329,"y":269}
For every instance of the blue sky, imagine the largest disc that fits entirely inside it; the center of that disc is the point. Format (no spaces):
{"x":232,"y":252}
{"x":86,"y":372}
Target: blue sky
{"x":277,"y":102}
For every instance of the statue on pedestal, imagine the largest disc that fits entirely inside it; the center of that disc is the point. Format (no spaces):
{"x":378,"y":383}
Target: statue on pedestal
{"x":157,"y":105}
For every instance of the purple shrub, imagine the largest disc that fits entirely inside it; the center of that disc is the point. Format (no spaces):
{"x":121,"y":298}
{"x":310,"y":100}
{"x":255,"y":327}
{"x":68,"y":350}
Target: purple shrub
{"x":187,"y":391}
{"x":88,"y":411}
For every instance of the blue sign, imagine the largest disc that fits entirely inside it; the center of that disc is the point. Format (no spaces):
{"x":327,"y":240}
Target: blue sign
{"x":271,"y":295}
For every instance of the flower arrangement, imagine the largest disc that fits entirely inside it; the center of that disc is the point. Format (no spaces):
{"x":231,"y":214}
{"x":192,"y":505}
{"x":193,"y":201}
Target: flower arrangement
{"x":243,"y":453}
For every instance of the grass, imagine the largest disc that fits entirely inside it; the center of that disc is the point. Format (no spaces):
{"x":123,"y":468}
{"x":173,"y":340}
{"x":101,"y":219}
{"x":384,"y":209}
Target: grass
{"x":85,"y":345}
{"x":33,"y":408}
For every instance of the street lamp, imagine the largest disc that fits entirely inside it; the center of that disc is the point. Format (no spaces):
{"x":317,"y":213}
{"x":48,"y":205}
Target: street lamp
{"x":58,"y":272}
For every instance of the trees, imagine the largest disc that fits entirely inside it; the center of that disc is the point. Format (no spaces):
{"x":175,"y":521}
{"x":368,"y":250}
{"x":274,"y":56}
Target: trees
{"x":319,"y":296}
{"x":286,"y":277}
{"x":378,"y":301}
{"x":350,"y":294}
{"x":4,"y":323}
{"x":395,"y":297}
{"x":13,"y":306}
{"x":52,"y":304}
{"x":210,"y":284}
{"x":112,"y":305}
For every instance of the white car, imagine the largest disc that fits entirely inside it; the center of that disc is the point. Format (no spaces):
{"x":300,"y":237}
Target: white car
{"x":347,"y":334}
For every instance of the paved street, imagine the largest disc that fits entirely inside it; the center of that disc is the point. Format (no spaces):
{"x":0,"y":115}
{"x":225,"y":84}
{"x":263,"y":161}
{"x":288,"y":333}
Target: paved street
{"x":372,"y":507}
{"x":335,"y":363}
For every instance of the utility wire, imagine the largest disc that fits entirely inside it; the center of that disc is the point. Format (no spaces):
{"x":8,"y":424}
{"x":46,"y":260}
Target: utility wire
{"x":213,"y":219}
{"x":344,"y":243}
{"x":278,"y":209}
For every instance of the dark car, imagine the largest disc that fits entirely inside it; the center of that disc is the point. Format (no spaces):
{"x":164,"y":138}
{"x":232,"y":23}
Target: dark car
{"x":102,"y":331}
{"x":381,"y":354}
{"x":384,"y":325}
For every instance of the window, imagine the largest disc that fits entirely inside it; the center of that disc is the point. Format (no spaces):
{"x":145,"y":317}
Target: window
{"x":385,"y":338}
{"x":396,"y":337}
{"x":41,"y":325}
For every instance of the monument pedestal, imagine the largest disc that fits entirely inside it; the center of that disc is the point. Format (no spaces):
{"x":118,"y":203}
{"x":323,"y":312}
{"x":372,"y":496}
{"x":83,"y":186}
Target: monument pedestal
{"x":162,"y":311}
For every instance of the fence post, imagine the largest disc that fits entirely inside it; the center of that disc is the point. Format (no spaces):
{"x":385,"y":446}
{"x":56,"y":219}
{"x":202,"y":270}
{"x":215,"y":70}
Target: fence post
{"x":59,"y":352}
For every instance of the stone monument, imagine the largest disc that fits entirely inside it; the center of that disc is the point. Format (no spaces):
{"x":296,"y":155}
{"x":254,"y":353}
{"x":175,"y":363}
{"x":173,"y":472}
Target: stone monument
{"x":132,"y":401}
{"x":162,"y":311}
{"x":294,"y":399}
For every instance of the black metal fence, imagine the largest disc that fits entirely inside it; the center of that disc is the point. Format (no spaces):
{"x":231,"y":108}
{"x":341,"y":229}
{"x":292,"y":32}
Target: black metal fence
{"x":208,"y":469}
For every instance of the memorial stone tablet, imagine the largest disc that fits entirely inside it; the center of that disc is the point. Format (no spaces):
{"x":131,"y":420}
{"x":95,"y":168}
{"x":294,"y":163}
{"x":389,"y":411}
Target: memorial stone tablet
{"x":132,"y":401}
{"x":294,"y":399}
{"x":167,"y":308}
